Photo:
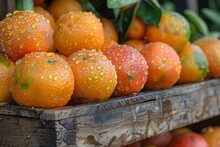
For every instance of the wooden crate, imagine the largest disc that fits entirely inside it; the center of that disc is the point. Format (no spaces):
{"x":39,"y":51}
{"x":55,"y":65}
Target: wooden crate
{"x":112,"y":123}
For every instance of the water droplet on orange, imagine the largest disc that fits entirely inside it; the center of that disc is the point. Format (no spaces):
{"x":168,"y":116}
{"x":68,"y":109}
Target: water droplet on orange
{"x":101,"y":73}
{"x":94,"y":28}
{"x":38,"y":43}
{"x":55,"y":78}
{"x":34,"y":26}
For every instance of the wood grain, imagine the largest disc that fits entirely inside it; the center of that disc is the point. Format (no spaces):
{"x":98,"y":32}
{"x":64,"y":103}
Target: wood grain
{"x":115,"y":122}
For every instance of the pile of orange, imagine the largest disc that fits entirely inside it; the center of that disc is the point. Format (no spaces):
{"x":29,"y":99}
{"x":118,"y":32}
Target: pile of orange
{"x":63,"y":53}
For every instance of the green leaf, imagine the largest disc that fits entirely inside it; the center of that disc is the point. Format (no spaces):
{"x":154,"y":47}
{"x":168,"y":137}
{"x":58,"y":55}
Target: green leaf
{"x":150,"y":12}
{"x":124,"y":21}
{"x":101,"y":8}
{"x":213,"y":34}
{"x":116,"y":12}
{"x":24,"y":5}
{"x":212,"y":4}
{"x":168,"y":6}
{"x":217,"y":4}
{"x":87,"y":6}
{"x":197,"y":21}
{"x":212,"y":15}
{"x":119,"y":3}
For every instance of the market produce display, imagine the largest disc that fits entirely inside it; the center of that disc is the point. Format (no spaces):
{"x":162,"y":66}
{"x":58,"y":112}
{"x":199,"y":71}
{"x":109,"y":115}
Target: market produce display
{"x":59,"y":53}
{"x":156,"y":52}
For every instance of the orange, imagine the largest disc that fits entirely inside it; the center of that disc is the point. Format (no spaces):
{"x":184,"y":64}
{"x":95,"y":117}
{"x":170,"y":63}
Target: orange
{"x":78,"y":30}
{"x":137,"y":29}
{"x":24,"y":32}
{"x":62,"y":56}
{"x":161,"y":140}
{"x":136,"y":144}
{"x":108,"y":43}
{"x":6,"y":72}
{"x":42,"y":80}
{"x":194,"y":64}
{"x":136,"y":43}
{"x":59,"y":7}
{"x":46,"y":14}
{"x":110,"y":32}
{"x":188,"y":139}
{"x":212,"y":135}
{"x":131,"y":69}
{"x":95,"y":76}
{"x":180,"y":131}
{"x":173,"y":30}
{"x":164,"y":65}
{"x":211,"y":48}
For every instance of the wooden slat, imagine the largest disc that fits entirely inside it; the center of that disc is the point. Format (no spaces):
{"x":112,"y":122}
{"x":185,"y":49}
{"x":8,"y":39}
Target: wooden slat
{"x":115,"y":122}
{"x":14,"y":110}
{"x":72,"y":111}
{"x":26,"y":132}
{"x":139,"y":121}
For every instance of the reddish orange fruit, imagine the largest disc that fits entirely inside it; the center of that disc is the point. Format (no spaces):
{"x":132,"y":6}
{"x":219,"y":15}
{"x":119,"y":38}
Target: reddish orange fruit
{"x":188,"y":139}
{"x":42,"y":80}
{"x":110,"y":32}
{"x":161,"y":140}
{"x":136,"y":144}
{"x":49,"y":17}
{"x":108,"y":43}
{"x":137,"y":29}
{"x":46,"y":14}
{"x":212,"y":135}
{"x":180,"y":131}
{"x":6,"y":72}
{"x":211,"y":48}
{"x":24,"y":32}
{"x":194,"y":64}
{"x":131,"y":69}
{"x":62,"y":56}
{"x":136,"y":43}
{"x":95,"y":76}
{"x":164,"y":65}
{"x":59,"y":7}
{"x":173,"y":29}
{"x":78,"y":30}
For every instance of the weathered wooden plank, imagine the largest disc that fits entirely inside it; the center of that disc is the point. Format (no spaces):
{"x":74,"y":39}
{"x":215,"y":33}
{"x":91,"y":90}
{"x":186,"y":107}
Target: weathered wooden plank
{"x":116,"y":103}
{"x":115,"y":122}
{"x":25,"y":132}
{"x":15,"y":110}
{"x":136,"y":122}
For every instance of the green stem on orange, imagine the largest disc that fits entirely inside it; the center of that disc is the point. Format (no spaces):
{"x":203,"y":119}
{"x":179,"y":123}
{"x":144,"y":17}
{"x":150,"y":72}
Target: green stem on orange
{"x":24,"y":5}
